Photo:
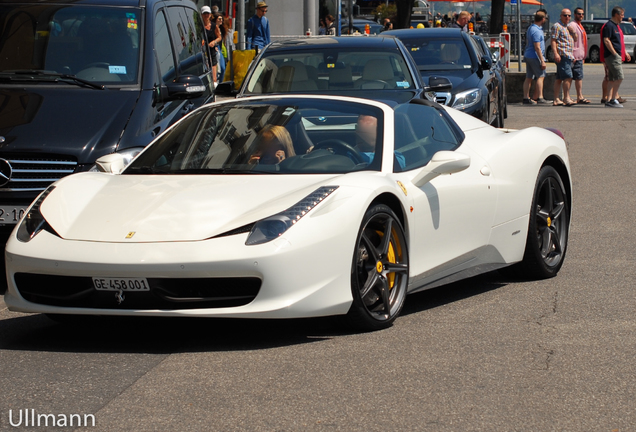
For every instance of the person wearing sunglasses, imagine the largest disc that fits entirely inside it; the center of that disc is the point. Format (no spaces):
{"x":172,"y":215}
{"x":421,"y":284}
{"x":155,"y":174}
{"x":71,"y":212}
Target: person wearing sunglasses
{"x":257,"y":34}
{"x":579,"y":52}
{"x":563,"y":38}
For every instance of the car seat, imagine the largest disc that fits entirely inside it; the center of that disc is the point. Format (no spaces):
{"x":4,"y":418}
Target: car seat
{"x":377,"y":74}
{"x":292,"y":76}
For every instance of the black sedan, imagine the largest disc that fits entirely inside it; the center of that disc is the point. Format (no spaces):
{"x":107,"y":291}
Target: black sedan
{"x":370,"y":67}
{"x":454,"y":64}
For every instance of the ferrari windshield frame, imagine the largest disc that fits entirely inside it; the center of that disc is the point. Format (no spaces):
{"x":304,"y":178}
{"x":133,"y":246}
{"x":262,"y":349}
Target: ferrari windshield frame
{"x":269,"y":136}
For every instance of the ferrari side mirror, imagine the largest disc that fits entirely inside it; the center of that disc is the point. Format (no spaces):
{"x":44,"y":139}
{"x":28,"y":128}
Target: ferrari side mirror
{"x":443,"y":162}
{"x":113,"y":163}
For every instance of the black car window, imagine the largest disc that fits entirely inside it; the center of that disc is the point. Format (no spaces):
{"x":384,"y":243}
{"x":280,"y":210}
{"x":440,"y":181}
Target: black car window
{"x":187,"y":40}
{"x":313,"y":71}
{"x":99,"y":44}
{"x":420,"y":132}
{"x":163,"y":49}
{"x":439,"y":54}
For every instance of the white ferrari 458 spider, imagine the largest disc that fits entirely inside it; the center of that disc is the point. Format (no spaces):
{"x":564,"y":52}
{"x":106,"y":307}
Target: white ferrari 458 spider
{"x":295,"y":206}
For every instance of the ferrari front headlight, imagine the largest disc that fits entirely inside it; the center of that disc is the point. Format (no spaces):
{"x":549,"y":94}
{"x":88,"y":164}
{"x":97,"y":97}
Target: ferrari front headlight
{"x":273,"y":227}
{"x":33,"y":222}
{"x":467,"y":98}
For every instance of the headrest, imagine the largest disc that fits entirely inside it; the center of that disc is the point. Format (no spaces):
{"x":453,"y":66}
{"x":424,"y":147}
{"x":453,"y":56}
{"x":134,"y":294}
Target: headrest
{"x":377,"y":69}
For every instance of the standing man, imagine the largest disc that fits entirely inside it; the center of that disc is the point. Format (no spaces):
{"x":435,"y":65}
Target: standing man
{"x":257,"y":34}
{"x":579,"y":52}
{"x":563,"y":38}
{"x":534,"y":56}
{"x":462,"y":21}
{"x":613,"y":54}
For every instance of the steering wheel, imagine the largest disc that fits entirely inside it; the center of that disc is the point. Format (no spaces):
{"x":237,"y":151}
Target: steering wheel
{"x":340,"y":147}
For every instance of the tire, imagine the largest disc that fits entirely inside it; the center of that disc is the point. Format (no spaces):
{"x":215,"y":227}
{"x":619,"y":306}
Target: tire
{"x":595,"y":55}
{"x":505,"y":110}
{"x":548,"y":228}
{"x":500,"y":115}
{"x":379,"y":271}
{"x":549,"y":55}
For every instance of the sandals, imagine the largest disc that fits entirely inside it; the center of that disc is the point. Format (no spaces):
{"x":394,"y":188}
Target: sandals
{"x":604,"y":100}
{"x":584,"y":101}
{"x":621,"y":100}
{"x":557,"y":102}
{"x":569,"y":103}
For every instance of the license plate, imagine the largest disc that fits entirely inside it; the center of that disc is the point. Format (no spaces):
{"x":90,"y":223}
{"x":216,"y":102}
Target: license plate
{"x":10,"y":214}
{"x":121,"y":284}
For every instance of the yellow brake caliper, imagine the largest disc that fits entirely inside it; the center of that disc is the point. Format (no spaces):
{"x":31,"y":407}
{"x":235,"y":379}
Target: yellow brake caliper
{"x":390,"y":256}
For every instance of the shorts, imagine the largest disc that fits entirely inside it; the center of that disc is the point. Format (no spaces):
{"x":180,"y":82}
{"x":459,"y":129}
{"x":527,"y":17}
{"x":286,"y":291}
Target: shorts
{"x":577,"y":70}
{"x":564,"y":69}
{"x":614,"y":64}
{"x":533,"y":68}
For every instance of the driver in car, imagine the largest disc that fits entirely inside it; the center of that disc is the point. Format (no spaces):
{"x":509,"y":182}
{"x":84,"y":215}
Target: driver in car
{"x":366,"y":134}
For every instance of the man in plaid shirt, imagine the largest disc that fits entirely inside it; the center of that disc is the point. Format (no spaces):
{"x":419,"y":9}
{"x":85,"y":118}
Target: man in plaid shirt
{"x":563,"y":38}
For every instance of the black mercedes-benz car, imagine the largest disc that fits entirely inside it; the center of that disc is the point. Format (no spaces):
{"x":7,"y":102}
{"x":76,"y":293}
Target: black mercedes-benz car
{"x":449,"y":54}
{"x":80,"y":79}
{"x":376,"y":67}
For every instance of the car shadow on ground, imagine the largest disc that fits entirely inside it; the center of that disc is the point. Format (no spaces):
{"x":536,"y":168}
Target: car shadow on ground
{"x":152,"y":335}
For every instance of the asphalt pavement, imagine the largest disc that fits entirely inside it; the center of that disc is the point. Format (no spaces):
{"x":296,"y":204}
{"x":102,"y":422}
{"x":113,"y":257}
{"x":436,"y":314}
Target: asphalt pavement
{"x":485,"y":354}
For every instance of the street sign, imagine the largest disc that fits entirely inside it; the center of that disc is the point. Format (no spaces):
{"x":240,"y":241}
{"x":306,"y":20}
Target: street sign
{"x":513,"y":2}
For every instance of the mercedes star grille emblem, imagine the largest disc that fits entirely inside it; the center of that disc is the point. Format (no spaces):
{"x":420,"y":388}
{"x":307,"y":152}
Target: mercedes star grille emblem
{"x":5,"y":172}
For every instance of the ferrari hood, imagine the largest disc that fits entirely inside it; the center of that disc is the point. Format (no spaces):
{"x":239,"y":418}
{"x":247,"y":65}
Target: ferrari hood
{"x":129,"y":208}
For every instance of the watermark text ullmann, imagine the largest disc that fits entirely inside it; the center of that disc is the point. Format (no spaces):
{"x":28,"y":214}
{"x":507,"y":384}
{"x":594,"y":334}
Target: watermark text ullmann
{"x":29,"y":418}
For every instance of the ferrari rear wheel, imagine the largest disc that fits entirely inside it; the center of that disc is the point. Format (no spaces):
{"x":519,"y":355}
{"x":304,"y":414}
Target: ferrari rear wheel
{"x":548,"y":228}
{"x":380,"y":270}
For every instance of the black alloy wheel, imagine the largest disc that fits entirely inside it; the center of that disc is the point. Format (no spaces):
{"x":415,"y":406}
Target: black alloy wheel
{"x":380,"y":270}
{"x":595,"y":55}
{"x":548,"y":229}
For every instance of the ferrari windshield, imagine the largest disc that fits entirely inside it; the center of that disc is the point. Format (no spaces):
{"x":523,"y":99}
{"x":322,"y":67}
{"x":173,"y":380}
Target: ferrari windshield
{"x":438,"y":54}
{"x":285,"y":136}
{"x":96,"y":44}
{"x":313,"y":71}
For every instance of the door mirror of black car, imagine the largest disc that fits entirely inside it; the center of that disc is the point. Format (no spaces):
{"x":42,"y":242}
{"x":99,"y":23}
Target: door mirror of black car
{"x":183,"y":87}
{"x":225,"y":88}
{"x":439,"y":84}
{"x":486,"y":63}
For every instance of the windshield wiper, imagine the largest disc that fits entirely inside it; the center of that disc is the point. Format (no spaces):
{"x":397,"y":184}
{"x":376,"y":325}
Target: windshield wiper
{"x":44,"y":76}
{"x":82,"y":81}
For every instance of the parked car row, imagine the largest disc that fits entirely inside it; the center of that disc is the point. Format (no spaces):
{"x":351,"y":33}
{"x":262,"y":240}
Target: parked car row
{"x":454,"y":68}
{"x":337,"y":182}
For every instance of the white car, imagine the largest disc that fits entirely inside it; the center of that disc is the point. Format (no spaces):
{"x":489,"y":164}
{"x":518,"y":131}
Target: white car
{"x":295,"y":206}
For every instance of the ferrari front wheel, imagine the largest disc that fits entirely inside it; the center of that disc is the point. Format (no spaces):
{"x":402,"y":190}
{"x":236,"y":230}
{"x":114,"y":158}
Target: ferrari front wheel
{"x":548,"y":228}
{"x":380,"y":270}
